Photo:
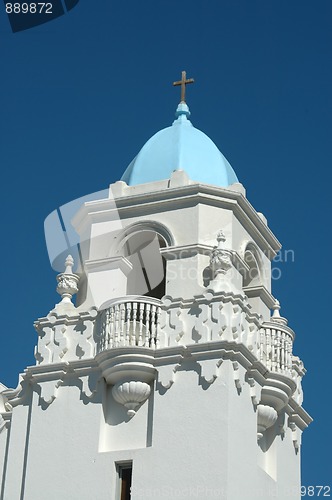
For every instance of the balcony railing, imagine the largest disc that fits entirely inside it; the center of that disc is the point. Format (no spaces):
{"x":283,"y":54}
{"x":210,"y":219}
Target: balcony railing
{"x":130,"y":321}
{"x":135,"y":321}
{"x":276,"y":346}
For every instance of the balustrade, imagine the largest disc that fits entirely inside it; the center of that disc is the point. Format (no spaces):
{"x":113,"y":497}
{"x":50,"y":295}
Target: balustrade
{"x":134,"y":321}
{"x":130,"y":321}
{"x":276,"y":346}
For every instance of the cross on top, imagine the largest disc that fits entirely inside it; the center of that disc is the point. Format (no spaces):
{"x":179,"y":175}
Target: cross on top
{"x":183,"y":82}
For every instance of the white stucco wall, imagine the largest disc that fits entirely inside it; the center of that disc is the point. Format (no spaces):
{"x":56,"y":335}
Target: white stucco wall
{"x":194,"y":440}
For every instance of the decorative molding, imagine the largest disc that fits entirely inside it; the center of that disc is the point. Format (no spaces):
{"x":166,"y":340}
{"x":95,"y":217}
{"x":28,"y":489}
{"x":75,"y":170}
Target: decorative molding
{"x":266,"y":418}
{"x":261,"y":292}
{"x":254,"y":391}
{"x":220,"y":258}
{"x":67,"y":282}
{"x":296,"y":433}
{"x":137,"y":227}
{"x":167,"y":362}
{"x":236,"y":375}
{"x":298,"y":415}
{"x":166,"y":375}
{"x":131,"y":395}
{"x":147,"y":203}
{"x":209,"y":369}
{"x":65,"y":336}
{"x":47,"y":379}
{"x":119,"y":262}
{"x":126,"y":364}
{"x":185,"y":251}
{"x":277,"y":390}
{"x":170,"y":324}
{"x":90,"y":383}
{"x":67,"y":286}
{"x":48,"y":390}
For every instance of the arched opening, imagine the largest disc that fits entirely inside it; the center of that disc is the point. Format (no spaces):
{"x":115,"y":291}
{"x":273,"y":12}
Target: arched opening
{"x":252,"y":277}
{"x":148,"y":274}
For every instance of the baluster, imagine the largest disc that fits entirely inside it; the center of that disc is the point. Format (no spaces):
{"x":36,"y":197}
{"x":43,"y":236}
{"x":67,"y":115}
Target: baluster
{"x":134,"y":323}
{"x":278,"y":350}
{"x":153,"y":330}
{"x":122,"y":324}
{"x":263,"y":345}
{"x":274,"y":350}
{"x":127,"y":322}
{"x":141,"y":317}
{"x":268,"y":349}
{"x":290,"y":352}
{"x":116,"y":324}
{"x":158,"y":313}
{"x":103,"y":331}
{"x":283,"y":351}
{"x":111,"y":313}
{"x":107,"y":329}
{"x":147,"y":324}
{"x":271,"y":357}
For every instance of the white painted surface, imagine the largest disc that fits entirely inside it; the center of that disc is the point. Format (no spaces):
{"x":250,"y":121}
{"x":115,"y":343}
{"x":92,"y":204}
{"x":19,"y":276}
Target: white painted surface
{"x":216,"y":355}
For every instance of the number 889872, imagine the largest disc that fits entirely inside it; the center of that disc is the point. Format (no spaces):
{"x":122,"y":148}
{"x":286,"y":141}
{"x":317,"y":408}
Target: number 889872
{"x":29,"y":8}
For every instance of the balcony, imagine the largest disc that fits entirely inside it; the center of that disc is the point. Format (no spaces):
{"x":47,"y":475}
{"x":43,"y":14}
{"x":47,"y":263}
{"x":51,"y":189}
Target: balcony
{"x":135,"y":321}
{"x":129,"y":321}
{"x":276,"y":347}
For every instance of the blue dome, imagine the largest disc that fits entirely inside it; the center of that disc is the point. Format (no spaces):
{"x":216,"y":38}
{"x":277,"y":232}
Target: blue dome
{"x":180,"y":147}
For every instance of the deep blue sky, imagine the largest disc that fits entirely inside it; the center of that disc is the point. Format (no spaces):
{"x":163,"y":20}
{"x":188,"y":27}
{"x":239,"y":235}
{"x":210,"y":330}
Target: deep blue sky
{"x":80,"y":96}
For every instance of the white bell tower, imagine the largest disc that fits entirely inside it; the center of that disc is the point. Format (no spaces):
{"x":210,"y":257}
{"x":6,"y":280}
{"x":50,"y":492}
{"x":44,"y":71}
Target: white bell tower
{"x":170,"y":377}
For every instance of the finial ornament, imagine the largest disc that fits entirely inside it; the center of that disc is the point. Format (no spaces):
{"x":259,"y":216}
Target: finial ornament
{"x":183,"y":82}
{"x":276,"y":314}
{"x":67,"y":281}
{"x":220,"y":260}
{"x":221,"y":238}
{"x":276,"y":309}
{"x":69,"y":263}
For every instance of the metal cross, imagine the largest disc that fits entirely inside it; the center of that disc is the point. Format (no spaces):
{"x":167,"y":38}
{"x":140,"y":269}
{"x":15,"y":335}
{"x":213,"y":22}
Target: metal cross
{"x":183,"y":82}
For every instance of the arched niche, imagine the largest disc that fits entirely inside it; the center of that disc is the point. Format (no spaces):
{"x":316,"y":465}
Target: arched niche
{"x":253,"y":276}
{"x":141,"y":244}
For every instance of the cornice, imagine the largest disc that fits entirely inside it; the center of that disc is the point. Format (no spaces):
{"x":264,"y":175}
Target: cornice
{"x":47,"y":373}
{"x":173,"y":252}
{"x":54,"y":318}
{"x":137,"y":205}
{"x":124,"y":361}
{"x":262,"y":293}
{"x":118,"y":262}
{"x":298,"y":415}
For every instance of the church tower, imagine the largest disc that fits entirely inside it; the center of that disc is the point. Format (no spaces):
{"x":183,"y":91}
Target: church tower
{"x":173,"y":375}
